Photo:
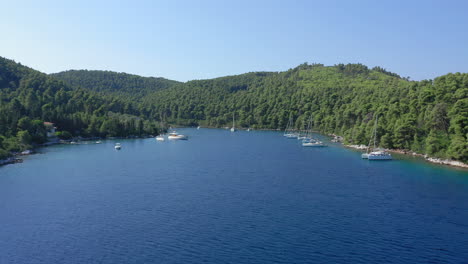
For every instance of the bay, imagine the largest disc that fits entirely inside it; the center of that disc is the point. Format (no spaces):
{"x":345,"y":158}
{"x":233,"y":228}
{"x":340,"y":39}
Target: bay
{"x":222,"y":197}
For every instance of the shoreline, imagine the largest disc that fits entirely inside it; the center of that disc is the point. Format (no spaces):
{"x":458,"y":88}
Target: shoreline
{"x":446,"y":162}
{"x":14,"y":158}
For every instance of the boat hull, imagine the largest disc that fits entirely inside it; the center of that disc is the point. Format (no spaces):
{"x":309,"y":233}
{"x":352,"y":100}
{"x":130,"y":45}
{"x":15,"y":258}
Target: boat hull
{"x":313,"y":145}
{"x":379,"y":156}
{"x":179,"y":137}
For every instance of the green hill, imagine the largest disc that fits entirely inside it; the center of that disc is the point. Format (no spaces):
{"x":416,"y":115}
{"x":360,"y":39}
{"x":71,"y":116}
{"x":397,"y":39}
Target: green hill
{"x":114,"y":82}
{"x":28,"y":98}
{"x":426,"y":117}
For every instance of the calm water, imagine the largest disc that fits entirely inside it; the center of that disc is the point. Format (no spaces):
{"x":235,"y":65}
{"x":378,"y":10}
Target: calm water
{"x":221,"y":197}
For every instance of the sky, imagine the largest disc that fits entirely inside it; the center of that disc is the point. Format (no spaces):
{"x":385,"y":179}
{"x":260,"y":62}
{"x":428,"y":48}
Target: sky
{"x":186,"y":40}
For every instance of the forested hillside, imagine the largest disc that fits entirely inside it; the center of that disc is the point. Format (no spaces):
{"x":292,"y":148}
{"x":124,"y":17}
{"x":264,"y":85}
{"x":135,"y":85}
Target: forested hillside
{"x":426,"y":117}
{"x":429,"y":117}
{"x":113,"y":82}
{"x":28,"y":98}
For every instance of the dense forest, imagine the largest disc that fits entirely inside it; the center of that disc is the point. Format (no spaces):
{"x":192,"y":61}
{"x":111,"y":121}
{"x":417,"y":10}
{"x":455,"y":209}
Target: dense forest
{"x":429,"y":116}
{"x":28,"y":98}
{"x":114,"y":83}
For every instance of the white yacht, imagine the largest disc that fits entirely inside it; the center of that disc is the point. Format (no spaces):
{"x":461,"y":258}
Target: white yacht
{"x":117,"y":146}
{"x":175,"y":136}
{"x":160,"y":138}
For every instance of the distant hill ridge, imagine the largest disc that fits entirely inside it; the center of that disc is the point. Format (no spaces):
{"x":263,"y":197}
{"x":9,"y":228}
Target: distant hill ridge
{"x":114,"y":82}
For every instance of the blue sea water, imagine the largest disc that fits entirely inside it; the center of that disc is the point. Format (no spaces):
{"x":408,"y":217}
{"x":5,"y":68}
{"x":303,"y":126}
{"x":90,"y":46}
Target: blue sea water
{"x":222,"y":197}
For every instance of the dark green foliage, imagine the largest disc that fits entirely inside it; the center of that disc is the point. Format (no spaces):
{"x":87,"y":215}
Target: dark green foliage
{"x":113,"y":82}
{"x":64,"y":135}
{"x":428,"y":116}
{"x":28,"y":98}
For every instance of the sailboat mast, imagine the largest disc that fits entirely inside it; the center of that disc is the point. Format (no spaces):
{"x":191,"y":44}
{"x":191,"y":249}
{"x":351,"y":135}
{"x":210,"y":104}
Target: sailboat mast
{"x":375,"y":130}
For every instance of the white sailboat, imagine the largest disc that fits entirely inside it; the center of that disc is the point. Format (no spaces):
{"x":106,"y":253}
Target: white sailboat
{"x":308,"y":141}
{"x":289,"y":131}
{"x":376,"y":153}
{"x":233,"y":128}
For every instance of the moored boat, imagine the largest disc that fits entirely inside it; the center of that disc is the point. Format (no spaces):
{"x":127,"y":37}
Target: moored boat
{"x":233,"y":128}
{"x":312,"y":143}
{"x":379,"y":155}
{"x":175,"y":136}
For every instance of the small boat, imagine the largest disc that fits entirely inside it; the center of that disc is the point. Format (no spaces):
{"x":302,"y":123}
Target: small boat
{"x":198,"y":127}
{"x":248,"y":129}
{"x":175,"y":136}
{"x":160,"y":138}
{"x":291,"y":135}
{"x":301,"y":136}
{"x":313,"y":143}
{"x":98,"y":142}
{"x":117,"y":146}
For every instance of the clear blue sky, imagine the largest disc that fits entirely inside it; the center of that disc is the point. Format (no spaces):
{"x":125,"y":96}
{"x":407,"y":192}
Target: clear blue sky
{"x":185,"y":40}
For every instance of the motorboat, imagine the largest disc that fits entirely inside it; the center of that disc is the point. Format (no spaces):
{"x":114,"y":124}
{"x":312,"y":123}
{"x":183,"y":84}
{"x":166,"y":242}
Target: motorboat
{"x":160,"y":138}
{"x":117,"y":146}
{"x":175,"y":136}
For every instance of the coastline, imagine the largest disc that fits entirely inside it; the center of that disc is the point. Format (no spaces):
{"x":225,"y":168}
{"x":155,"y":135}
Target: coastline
{"x":447,"y":162}
{"x":14,"y":158}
